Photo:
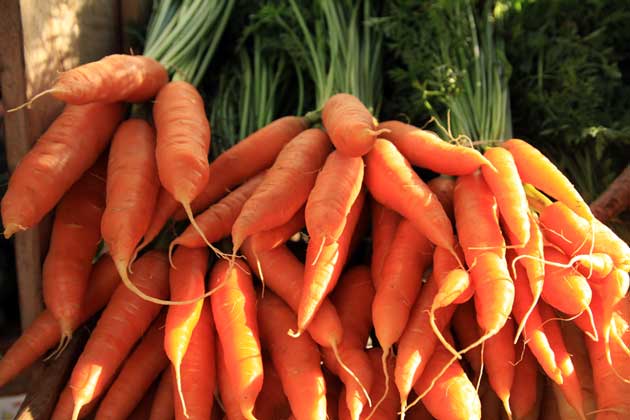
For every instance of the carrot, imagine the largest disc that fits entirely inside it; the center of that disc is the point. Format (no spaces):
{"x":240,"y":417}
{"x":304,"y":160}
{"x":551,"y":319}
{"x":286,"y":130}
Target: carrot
{"x":335,"y":401}
{"x":69,"y":147}
{"x":114,"y":78}
{"x":384,"y":224}
{"x":418,"y":412}
{"x":248,"y":157}
{"x":499,"y":356}
{"x":466,"y":331}
{"x":44,"y":332}
{"x":476,"y":218}
{"x":391,"y":181}
{"x":271,"y":402}
{"x":73,"y":244}
{"x":234,"y":309}
{"x":65,"y":405}
{"x":336,"y":189}
{"x":491,"y":406}
{"x":142,"y":411}
{"x":132,"y":188}
{"x":139,"y":371}
{"x":389,"y":407}
{"x":198,"y":370}
{"x":286,"y":186}
{"x":576,"y":346}
{"x":525,"y":390}
{"x":453,"y":396}
{"x":165,"y":206}
{"x":425,"y":149}
{"x":295,"y":359}
{"x":534,"y":168}
{"x":124,"y":320}
{"x":273,"y":238}
{"x":507,"y":187}
{"x":186,"y":282}
{"x":443,"y":187}
{"x":533,"y":332}
{"x":595,"y":265}
{"x":350,"y":124}
{"x":163,"y":402}
{"x":570,"y":385}
{"x":417,"y":342}
{"x":574,"y":235}
{"x":453,"y":282}
{"x":230,"y":400}
{"x":353,"y":298}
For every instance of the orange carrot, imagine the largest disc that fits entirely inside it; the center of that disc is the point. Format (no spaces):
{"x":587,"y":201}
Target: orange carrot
{"x":132,"y":188}
{"x":230,"y":400}
{"x":349,"y":124}
{"x":323,"y":266}
{"x":389,"y":407}
{"x":44,"y":332}
{"x":271,"y":402}
{"x":425,"y":149}
{"x":186,"y":282}
{"x":334,"y":398}
{"x":534,"y":168}
{"x":65,"y":405}
{"x":286,"y":186}
{"x":273,"y":238}
{"x":163,"y":402}
{"x":142,"y":411}
{"x":453,"y":282}
{"x":507,"y":187}
{"x":114,"y":78}
{"x":466,"y":331}
{"x":70,"y":146}
{"x":73,"y":244}
{"x":124,"y":320}
{"x":418,"y":411}
{"x":216,"y":222}
{"x":198,"y":370}
{"x":336,"y":189}
{"x":443,"y":187}
{"x":296,"y":360}
{"x":499,"y":356}
{"x":525,"y":390}
{"x":165,"y":206}
{"x":234,"y":309}
{"x":576,"y":346}
{"x":384,"y":224}
{"x":139,"y":371}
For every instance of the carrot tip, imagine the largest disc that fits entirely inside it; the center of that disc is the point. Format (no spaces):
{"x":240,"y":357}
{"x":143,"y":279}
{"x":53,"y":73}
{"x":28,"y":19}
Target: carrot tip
{"x":12,"y":228}
{"x":28,"y":104}
{"x":294,"y":334}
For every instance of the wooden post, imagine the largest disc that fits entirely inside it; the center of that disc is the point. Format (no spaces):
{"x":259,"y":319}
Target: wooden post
{"x":39,"y":40}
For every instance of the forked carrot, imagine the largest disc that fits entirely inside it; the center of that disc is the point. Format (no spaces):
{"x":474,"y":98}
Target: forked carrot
{"x":70,"y":146}
{"x":384,"y":224}
{"x":163,"y":401}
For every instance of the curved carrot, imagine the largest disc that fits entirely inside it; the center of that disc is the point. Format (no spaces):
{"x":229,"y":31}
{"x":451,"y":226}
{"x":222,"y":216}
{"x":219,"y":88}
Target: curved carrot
{"x":124,"y":320}
{"x":70,"y":146}
{"x":163,"y":401}
{"x":444,"y":187}
{"x":234,"y":309}
{"x":114,"y":78}
{"x":426,"y":149}
{"x":506,"y":185}
{"x":286,"y":186}
{"x":296,"y":360}
{"x":391,"y":181}
{"x":198,"y":370}
{"x":44,"y":332}
{"x":534,"y":168}
{"x":384,"y":224}
{"x":139,"y":371}
{"x":132,"y":188}
{"x":186,"y":282}
{"x":336,"y":189}
{"x":73,"y":244}
{"x":273,"y":238}
{"x":350,"y":124}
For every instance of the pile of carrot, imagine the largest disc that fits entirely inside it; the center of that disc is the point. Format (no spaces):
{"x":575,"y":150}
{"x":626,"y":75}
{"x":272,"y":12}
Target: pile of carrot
{"x":320,"y":276}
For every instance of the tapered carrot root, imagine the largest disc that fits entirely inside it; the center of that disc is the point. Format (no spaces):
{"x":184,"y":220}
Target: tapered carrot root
{"x":384,"y":224}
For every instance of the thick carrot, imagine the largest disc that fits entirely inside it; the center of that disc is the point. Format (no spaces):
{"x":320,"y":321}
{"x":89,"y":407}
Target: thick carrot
{"x":323,"y":267}
{"x":114,"y":78}
{"x":186,"y":282}
{"x":392,"y":182}
{"x":525,"y":390}
{"x":534,"y":168}
{"x":389,"y":407}
{"x":139,"y":371}
{"x":198,"y":370}
{"x":425,"y":149}
{"x":384,"y":224}
{"x":506,"y":185}
{"x":228,"y":393}
{"x":286,"y":186}
{"x":248,"y":157}
{"x":271,"y":402}
{"x":73,"y":244}
{"x":44,"y":332}
{"x":234,"y":309}
{"x":70,"y":146}
{"x":336,"y":189}
{"x":452,"y":396}
{"x":163,"y":402}
{"x":444,"y":187}
{"x":417,"y":343}
{"x":476,"y":218}
{"x":132,"y":188}
{"x":273,"y":238}
{"x":296,"y":360}
{"x":124,"y":320}
{"x":574,"y":235}
{"x":353,"y":298}
{"x":499,"y":356}
{"x":350,"y":124}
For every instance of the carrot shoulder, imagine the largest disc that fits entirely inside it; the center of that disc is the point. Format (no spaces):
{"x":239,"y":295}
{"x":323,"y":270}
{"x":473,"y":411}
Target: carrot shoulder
{"x":350,"y":124}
